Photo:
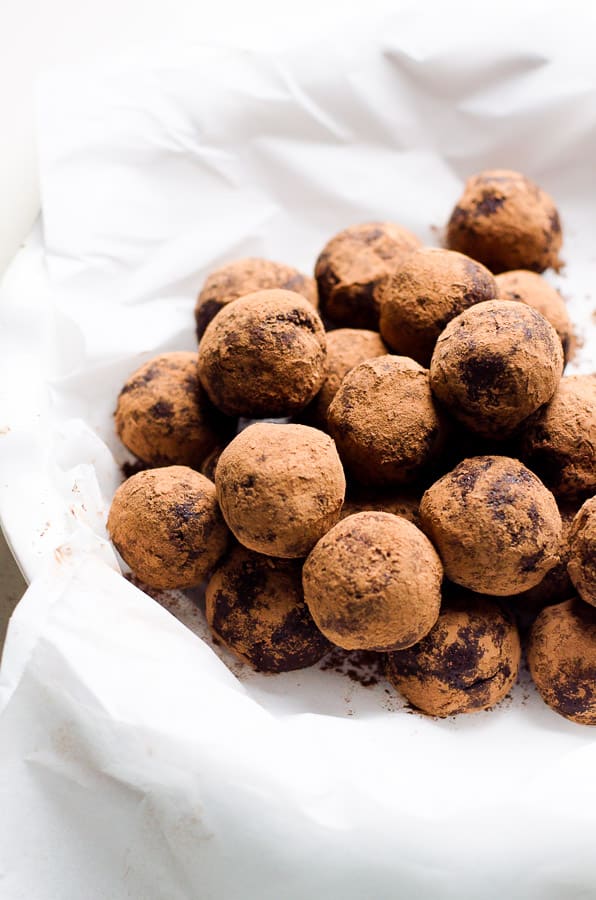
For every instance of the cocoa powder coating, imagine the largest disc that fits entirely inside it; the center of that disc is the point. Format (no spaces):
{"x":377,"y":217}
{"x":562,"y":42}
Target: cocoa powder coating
{"x":533,"y":290}
{"x":582,"y":552}
{"x":346,"y":348}
{"x":467,"y":662}
{"x":505,"y":221}
{"x":556,"y":585}
{"x":165,"y":417}
{"x":280,"y":488}
{"x":562,"y":659}
{"x":384,"y":421}
{"x":352,"y":268}
{"x":495,"y":525}
{"x":245,"y":276}
{"x":496,"y":364}
{"x":255,"y":606}
{"x":429,"y":289}
{"x":167,"y":526}
{"x":559,"y":442}
{"x":264,"y":355}
{"x":373,"y":582}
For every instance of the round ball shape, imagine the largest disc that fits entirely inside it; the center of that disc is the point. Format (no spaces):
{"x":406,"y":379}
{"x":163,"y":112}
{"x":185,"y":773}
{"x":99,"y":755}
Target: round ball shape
{"x":255,"y":606}
{"x":533,"y":290}
{"x":384,"y":421}
{"x":280,"y":488}
{"x":346,"y":348}
{"x":506,"y":221}
{"x":495,"y":525}
{"x":263,"y":355}
{"x":166,"y":525}
{"x":559,"y":442}
{"x":245,"y":276}
{"x":373,"y":583}
{"x":353,"y":265}
{"x":562,"y":659}
{"x":429,"y":289}
{"x":467,"y":662}
{"x":582,"y":552}
{"x":496,"y":364}
{"x":556,"y":585}
{"x":165,"y":417}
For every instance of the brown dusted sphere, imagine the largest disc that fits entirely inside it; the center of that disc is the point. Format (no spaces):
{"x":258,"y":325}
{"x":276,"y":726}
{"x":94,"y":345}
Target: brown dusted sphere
{"x":280,"y":488}
{"x":404,"y":503}
{"x":467,"y":662}
{"x":164,"y":415}
{"x":346,"y":348}
{"x":255,"y":606}
{"x":263,"y":355}
{"x":582,"y":552}
{"x":533,"y":290}
{"x":384,"y":421}
{"x":166,"y":525}
{"x":495,"y":364}
{"x":495,"y":525}
{"x":373,"y":583}
{"x":506,"y":221}
{"x":429,"y":289}
{"x":559,"y":442}
{"x":562,"y":659}
{"x":556,"y":585}
{"x":352,"y":267}
{"x":245,"y":276}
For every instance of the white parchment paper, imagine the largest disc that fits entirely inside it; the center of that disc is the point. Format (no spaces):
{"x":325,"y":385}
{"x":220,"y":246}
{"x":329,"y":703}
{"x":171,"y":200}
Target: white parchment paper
{"x":133,"y":762}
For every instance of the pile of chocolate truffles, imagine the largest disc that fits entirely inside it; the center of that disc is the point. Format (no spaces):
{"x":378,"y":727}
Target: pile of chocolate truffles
{"x":429,"y":493}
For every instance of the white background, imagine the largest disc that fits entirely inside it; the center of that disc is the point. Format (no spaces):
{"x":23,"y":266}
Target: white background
{"x":38,"y":34}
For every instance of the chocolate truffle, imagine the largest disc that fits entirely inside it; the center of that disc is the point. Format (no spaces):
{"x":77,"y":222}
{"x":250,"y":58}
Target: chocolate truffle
{"x":384,"y":421}
{"x":165,"y":417}
{"x":506,"y":221}
{"x":245,"y":276}
{"x":255,"y":606}
{"x":346,"y":348}
{"x":582,"y":552}
{"x":166,"y":525}
{"x":373,"y":583}
{"x":556,"y":585}
{"x":352,"y":267}
{"x":559,"y":442}
{"x":562,"y":659}
{"x":264,"y":355}
{"x":533,"y":290}
{"x":405,"y":503}
{"x":467,"y":662}
{"x":495,"y":525}
{"x":495,"y":364}
{"x":280,"y":488}
{"x":429,"y":289}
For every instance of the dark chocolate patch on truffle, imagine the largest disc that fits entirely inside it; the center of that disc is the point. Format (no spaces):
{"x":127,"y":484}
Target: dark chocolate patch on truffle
{"x":481,"y":375}
{"x":489,"y":204}
{"x":529,"y":563}
{"x":163,"y":409}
